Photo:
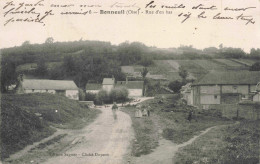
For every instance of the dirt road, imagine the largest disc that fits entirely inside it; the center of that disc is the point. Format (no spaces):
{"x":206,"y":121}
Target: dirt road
{"x":164,"y":153}
{"x":104,"y":141}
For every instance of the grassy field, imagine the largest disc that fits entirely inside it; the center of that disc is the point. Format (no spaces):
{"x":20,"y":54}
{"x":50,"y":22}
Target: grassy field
{"x":169,"y":119}
{"x":208,"y":65}
{"x":146,"y":132}
{"x":233,"y":144}
{"x":229,"y":62}
{"x":173,"y":118}
{"x":196,"y":70}
{"x":21,"y":125}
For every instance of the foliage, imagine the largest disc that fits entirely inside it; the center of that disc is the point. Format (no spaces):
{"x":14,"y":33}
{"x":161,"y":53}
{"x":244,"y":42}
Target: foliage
{"x":255,"y":53}
{"x":144,"y":73}
{"x":95,"y":60}
{"x":183,"y":73}
{"x":81,"y":94}
{"x":175,"y":86}
{"x":130,"y":53}
{"x":119,"y":94}
{"x":49,"y":40}
{"x":41,"y":69}
{"x":229,"y":52}
{"x":146,"y":133}
{"x":146,"y":61}
{"x":22,"y":126}
{"x":255,"y":67}
{"x":8,"y":74}
{"x":90,"y":96}
{"x":236,"y":143}
{"x":102,"y":97}
{"x":242,"y":143}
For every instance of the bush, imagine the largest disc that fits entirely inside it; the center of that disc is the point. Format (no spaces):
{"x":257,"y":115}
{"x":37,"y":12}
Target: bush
{"x":90,"y":97}
{"x":175,"y":86}
{"x":102,"y":97}
{"x":119,"y":94}
{"x":81,"y":95}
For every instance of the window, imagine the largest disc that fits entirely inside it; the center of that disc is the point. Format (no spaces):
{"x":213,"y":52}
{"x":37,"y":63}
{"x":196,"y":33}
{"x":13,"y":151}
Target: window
{"x":215,"y":96}
{"x":32,"y":90}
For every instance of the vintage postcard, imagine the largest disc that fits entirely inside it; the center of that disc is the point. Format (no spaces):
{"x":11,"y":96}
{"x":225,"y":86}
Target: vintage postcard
{"x":130,"y":81}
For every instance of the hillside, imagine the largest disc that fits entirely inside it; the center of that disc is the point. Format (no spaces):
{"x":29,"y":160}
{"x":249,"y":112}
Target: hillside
{"x":21,"y":124}
{"x":197,"y":68}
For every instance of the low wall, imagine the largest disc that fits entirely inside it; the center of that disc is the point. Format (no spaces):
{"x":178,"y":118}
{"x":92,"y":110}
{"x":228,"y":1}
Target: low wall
{"x":249,"y":112}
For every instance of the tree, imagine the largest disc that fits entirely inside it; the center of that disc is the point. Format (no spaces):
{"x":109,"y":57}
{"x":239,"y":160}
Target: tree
{"x":119,"y":94}
{"x":144,"y":73}
{"x":41,"y":69}
{"x":175,"y":86}
{"x":49,"y":40}
{"x":183,"y":73}
{"x":25,"y":43}
{"x":8,"y":74}
{"x":255,"y":53}
{"x":102,"y":96}
{"x":146,"y":61}
{"x":255,"y":67}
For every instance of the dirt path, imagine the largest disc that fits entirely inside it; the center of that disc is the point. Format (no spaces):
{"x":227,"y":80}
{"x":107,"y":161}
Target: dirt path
{"x":104,"y":141}
{"x":164,"y":153}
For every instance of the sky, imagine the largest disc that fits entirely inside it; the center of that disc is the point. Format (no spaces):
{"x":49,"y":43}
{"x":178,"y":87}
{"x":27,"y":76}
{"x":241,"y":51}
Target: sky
{"x":160,"y":30}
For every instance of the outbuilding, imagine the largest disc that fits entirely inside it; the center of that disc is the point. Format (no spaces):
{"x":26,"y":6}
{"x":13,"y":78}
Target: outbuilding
{"x":62,"y":87}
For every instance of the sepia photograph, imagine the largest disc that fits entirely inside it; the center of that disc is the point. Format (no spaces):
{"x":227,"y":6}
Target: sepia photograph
{"x":130,"y":82}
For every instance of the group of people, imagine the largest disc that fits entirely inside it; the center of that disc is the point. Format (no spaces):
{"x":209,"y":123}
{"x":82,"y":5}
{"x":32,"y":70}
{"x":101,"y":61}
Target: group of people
{"x":138,"y":113}
{"x":142,"y":112}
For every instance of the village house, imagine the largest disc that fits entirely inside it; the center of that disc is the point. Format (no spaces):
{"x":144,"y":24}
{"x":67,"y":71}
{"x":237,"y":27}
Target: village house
{"x":62,"y":87}
{"x":108,"y":84}
{"x":225,"y":88}
{"x":135,"y":88}
{"x":93,"y":88}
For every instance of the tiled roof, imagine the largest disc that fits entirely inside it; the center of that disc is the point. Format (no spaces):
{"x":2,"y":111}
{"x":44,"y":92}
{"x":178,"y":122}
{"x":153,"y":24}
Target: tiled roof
{"x":43,"y":84}
{"x":93,"y":86}
{"x":232,"y":77}
{"x":108,"y":81}
{"x":130,"y":84}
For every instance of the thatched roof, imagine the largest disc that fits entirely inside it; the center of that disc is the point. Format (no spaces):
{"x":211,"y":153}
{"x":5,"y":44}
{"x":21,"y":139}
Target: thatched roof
{"x":41,"y":84}
{"x":230,"y":78}
{"x":130,"y":84}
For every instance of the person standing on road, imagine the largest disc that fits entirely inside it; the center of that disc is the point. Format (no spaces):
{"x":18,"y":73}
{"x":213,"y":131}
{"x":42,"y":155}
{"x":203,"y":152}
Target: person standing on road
{"x":114,"y":108}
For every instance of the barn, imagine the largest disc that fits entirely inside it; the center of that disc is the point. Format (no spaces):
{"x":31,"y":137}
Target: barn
{"x":62,"y":87}
{"x":224,"y":88}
